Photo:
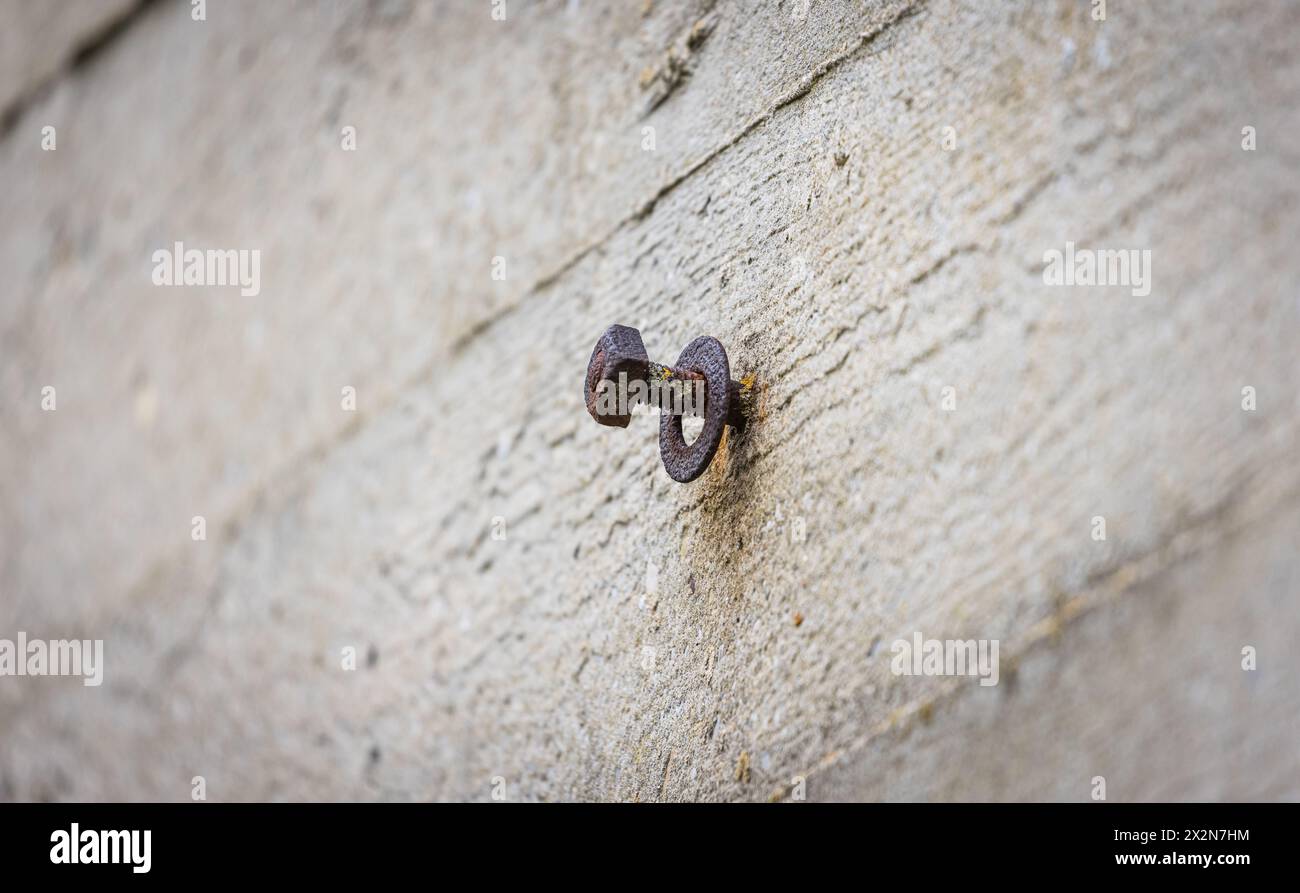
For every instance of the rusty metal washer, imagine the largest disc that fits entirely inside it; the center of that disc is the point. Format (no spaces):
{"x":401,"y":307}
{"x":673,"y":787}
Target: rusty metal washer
{"x":684,"y":461}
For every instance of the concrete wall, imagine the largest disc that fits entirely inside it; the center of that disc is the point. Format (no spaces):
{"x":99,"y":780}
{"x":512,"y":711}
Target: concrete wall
{"x":631,"y":638}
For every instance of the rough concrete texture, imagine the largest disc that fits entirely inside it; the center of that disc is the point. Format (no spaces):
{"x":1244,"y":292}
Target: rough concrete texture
{"x":631,"y":638}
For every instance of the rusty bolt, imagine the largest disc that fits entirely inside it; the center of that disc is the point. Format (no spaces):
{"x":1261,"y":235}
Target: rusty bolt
{"x":620,"y":352}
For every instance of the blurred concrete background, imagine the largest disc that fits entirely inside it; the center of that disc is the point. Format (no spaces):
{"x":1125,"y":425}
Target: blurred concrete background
{"x":855,"y":198}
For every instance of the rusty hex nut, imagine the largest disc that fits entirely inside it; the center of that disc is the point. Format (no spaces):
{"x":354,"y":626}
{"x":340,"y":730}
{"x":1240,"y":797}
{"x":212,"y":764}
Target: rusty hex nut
{"x":619,"y":351}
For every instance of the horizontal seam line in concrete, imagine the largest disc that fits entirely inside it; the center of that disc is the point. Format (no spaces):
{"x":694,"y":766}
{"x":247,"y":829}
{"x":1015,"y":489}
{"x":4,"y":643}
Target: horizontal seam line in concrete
{"x":1086,"y":602}
{"x":805,"y":86}
{"x":314,"y":452}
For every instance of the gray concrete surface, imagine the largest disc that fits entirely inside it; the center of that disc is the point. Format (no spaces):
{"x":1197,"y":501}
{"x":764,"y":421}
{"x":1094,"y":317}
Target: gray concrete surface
{"x":631,"y":638}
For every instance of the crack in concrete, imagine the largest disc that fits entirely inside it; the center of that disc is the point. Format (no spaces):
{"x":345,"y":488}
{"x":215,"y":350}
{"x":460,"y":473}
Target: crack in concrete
{"x":78,"y":58}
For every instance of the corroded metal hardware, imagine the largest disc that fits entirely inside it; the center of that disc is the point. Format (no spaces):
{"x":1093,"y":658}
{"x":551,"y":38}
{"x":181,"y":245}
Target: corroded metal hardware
{"x":620,"y":357}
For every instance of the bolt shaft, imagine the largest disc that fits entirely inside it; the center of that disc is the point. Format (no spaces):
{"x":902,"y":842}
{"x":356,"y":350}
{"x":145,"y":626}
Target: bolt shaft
{"x":659,"y":373}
